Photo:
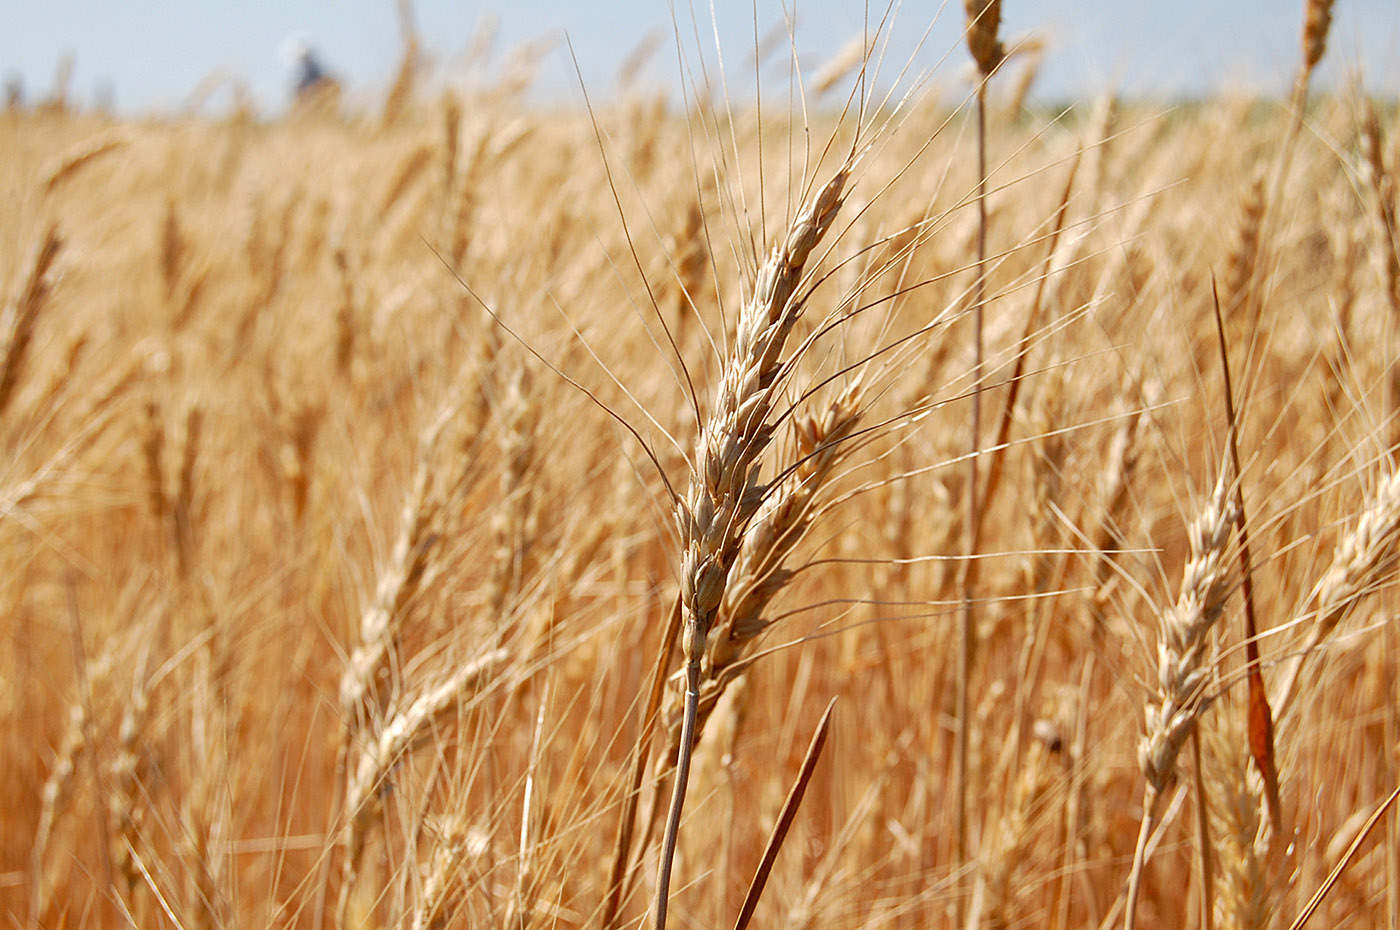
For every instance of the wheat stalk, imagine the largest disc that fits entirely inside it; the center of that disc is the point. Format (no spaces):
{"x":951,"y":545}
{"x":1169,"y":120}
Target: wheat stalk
{"x":984,"y":43}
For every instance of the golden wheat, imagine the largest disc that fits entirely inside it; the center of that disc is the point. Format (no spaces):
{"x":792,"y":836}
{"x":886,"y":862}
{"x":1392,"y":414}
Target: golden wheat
{"x":369,"y":483}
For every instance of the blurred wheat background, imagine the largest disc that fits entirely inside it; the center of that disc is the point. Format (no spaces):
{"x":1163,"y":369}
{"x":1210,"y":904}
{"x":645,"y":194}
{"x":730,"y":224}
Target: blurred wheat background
{"x":344,"y":583}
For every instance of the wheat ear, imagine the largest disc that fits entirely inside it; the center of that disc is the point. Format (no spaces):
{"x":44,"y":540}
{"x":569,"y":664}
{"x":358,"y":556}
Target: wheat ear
{"x":1244,"y":892}
{"x":404,"y":729}
{"x":1182,"y":671}
{"x":1317,"y":22}
{"x":17,"y":323}
{"x":724,"y":493}
{"x":983,"y":26}
{"x":1361,"y":559}
{"x":74,"y":160}
{"x":1380,"y":185}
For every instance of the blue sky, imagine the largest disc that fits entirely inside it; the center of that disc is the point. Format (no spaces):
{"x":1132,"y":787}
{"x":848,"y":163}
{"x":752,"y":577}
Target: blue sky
{"x":151,"y":55}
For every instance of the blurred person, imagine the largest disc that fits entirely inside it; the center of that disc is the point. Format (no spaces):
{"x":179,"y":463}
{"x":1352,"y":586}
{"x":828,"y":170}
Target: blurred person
{"x":313,"y":86}
{"x":14,"y":92}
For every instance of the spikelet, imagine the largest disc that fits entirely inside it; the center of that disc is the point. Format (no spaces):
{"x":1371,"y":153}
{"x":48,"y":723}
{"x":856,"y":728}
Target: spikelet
{"x":1115,"y":485}
{"x":126,"y":772}
{"x":691,"y":258}
{"x":439,"y":896}
{"x":181,"y":510}
{"x":1051,"y":451}
{"x":1099,"y":147}
{"x":173,"y":248}
{"x":60,"y":784}
{"x":1032,"y":52}
{"x":451,"y":139}
{"x":1003,"y":855}
{"x":410,"y":169}
{"x":153,"y":457}
{"x":363,"y":682}
{"x":401,"y":92}
{"x":780,"y":523}
{"x":54,"y":797}
{"x":513,"y":524}
{"x":347,"y":314}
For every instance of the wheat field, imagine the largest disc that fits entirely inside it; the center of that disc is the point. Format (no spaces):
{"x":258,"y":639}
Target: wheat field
{"x":377,"y":483}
